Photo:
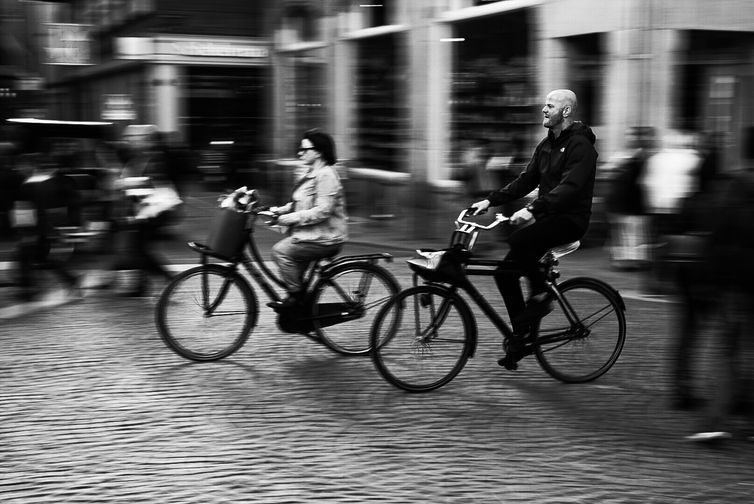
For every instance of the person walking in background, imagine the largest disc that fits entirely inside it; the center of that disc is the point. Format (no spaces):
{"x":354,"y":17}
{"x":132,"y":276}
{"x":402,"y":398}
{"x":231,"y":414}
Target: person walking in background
{"x":54,"y":201}
{"x":150,"y":202}
{"x":315,"y":216}
{"x":626,"y":202}
{"x":563,"y":167}
{"x":723,"y":285}
{"x":475,"y":174}
{"x":671,"y":176}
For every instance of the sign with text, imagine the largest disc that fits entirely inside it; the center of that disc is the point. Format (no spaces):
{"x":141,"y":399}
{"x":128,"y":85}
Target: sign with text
{"x":118,"y":107}
{"x":68,"y":44}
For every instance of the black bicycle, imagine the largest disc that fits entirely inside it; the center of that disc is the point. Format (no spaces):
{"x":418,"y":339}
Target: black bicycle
{"x":424,"y":336}
{"x":207,"y":312}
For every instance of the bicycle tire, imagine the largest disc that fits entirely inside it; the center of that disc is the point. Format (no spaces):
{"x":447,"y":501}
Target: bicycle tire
{"x":582,"y":356}
{"x":422,"y":363}
{"x":186,"y":326}
{"x":352,"y":293}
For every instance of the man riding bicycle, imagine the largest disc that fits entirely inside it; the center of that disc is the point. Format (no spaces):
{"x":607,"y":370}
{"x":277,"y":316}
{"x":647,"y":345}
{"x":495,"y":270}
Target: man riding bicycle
{"x":563,"y":168}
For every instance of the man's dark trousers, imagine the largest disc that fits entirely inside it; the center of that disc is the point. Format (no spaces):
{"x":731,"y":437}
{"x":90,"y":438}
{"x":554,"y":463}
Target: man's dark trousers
{"x":527,"y":246}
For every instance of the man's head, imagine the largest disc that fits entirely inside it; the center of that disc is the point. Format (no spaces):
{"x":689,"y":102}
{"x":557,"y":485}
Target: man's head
{"x":559,"y":110}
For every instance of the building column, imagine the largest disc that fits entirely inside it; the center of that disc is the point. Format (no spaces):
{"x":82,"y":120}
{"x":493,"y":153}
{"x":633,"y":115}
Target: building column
{"x":164,"y":101}
{"x":668,"y":47}
{"x":552,"y":62}
{"x":627,"y":84}
{"x":341,"y":97}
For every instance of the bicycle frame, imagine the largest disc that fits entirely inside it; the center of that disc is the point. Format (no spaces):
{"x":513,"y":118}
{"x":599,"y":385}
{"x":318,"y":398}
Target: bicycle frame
{"x":254,"y":263}
{"x":493,"y":267}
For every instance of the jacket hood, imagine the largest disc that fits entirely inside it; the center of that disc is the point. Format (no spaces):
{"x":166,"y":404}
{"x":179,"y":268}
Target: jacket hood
{"x":579,"y":128}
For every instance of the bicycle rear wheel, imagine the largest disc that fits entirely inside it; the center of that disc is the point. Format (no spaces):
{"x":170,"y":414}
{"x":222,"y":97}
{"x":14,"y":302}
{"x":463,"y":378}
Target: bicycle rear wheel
{"x":422,"y":338}
{"x":583,"y":347}
{"x":206,"y":313}
{"x":345,"y":304}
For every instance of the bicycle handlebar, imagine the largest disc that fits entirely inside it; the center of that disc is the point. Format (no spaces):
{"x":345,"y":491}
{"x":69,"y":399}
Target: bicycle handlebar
{"x":499,"y":219}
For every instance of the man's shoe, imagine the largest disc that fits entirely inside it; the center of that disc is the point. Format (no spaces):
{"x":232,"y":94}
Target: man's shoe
{"x":515,"y":350}
{"x":537,"y":307}
{"x":708,"y":436}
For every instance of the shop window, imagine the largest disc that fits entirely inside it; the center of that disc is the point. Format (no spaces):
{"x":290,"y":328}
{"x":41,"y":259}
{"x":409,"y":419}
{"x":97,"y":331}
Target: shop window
{"x":141,"y":6}
{"x":300,"y":24}
{"x":305,"y":89}
{"x":375,"y":12}
{"x":382,"y":112}
{"x":493,"y":91}
{"x":587,"y":58}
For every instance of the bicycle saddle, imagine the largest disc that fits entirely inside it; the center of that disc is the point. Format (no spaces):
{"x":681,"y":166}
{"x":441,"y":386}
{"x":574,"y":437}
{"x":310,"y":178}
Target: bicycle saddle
{"x":564,"y":249}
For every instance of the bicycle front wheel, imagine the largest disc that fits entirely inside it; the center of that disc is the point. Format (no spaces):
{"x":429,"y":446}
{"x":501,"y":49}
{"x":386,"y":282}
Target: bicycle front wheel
{"x":345,"y":304}
{"x":206,"y":313}
{"x":422,"y":338}
{"x":584,"y":335}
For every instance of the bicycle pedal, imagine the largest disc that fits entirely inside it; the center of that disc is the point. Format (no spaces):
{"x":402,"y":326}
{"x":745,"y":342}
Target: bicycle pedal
{"x":508,"y":363}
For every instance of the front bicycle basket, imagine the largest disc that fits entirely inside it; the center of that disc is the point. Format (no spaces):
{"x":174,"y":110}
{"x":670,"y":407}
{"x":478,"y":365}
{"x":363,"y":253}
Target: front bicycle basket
{"x":442,"y":266}
{"x":227,"y":235}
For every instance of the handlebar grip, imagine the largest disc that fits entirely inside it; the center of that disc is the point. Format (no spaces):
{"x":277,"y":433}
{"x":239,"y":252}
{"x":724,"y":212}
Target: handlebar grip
{"x":475,"y":211}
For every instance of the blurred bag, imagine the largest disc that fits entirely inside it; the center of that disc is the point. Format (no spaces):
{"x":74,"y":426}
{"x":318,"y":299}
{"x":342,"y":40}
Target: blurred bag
{"x":690,"y":247}
{"x":159,"y":201}
{"x":227,"y":234}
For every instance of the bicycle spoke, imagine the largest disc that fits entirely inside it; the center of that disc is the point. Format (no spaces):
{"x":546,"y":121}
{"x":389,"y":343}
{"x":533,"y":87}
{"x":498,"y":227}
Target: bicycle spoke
{"x":583,"y":343}
{"x":206,"y":313}
{"x":421,"y":338}
{"x":344,"y":304}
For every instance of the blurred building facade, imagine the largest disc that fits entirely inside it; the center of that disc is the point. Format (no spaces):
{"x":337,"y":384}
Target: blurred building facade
{"x":402,"y":84}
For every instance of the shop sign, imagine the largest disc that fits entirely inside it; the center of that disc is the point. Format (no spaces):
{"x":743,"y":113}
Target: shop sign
{"x":118,"y":107}
{"x":68,"y":44}
{"x":225,"y":50}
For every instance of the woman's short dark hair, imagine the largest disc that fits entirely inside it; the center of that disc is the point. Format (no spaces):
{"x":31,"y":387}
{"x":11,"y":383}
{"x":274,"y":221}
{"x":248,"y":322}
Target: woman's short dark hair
{"x":324,"y":144}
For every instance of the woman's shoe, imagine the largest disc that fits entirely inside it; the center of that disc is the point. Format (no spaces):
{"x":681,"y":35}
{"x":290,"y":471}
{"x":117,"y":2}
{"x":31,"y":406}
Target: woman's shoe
{"x":293,"y":299}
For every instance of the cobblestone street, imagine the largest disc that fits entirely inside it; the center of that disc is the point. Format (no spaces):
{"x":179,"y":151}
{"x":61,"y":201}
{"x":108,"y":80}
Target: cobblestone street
{"x":97,"y":409}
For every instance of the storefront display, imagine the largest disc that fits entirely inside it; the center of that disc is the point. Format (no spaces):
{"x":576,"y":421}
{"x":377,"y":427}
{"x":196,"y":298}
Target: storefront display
{"x":382,"y":104}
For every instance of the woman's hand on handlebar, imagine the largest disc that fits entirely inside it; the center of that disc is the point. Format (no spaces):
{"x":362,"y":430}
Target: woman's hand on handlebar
{"x":271,"y":216}
{"x":479,"y":207}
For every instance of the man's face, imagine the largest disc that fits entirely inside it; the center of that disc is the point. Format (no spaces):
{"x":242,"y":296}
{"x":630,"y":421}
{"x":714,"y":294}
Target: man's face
{"x":552,"y":111}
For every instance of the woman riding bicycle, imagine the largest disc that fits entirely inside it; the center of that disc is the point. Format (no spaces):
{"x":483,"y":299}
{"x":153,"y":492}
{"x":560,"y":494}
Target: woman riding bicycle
{"x":315,"y":216}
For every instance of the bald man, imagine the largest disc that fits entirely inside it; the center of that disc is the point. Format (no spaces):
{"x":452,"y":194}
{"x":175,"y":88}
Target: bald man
{"x":563,"y":168}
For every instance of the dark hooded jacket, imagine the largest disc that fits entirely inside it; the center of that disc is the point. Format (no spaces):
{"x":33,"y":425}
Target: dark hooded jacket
{"x":564,"y":169}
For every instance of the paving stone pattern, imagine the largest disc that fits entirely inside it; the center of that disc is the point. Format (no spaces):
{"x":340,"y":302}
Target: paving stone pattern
{"x":95,"y":409}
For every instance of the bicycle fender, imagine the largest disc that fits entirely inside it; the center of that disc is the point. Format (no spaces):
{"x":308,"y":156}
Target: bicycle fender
{"x":368,"y":258}
{"x":595,"y":281}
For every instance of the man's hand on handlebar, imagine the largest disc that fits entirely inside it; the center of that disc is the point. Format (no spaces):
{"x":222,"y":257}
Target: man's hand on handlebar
{"x":480,"y":207}
{"x":522,"y":217}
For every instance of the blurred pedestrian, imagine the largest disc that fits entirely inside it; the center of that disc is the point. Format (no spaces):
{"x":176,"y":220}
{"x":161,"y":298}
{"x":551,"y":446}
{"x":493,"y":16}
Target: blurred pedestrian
{"x":689,"y":256}
{"x":729,"y":272}
{"x":563,"y":167}
{"x":671,"y":176}
{"x":626,"y":202}
{"x":475,"y":174}
{"x":48,"y":201}
{"x":150,"y":203}
{"x":315,"y":216}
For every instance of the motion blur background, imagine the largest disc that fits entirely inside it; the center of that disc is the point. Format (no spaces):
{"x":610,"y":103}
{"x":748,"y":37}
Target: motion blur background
{"x":405,"y":86}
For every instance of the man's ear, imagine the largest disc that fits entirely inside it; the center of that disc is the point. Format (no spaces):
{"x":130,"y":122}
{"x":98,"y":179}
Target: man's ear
{"x":566,"y":111}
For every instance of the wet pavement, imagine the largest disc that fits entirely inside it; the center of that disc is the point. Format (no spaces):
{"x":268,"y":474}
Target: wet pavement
{"x":97,"y":409}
